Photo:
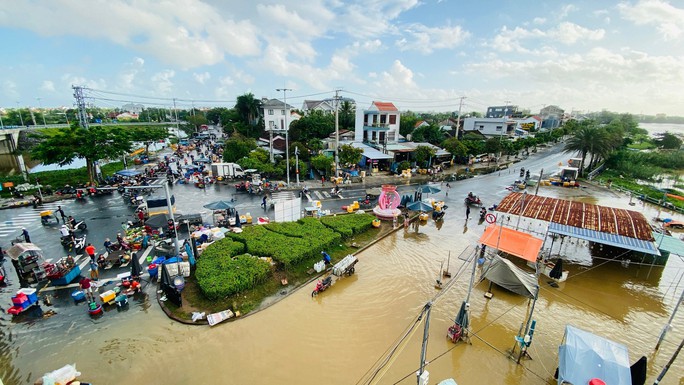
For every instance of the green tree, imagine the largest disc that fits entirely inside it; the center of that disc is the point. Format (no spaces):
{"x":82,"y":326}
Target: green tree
{"x":668,"y":141}
{"x":423,"y":155}
{"x":430,"y":133}
{"x":322,"y":163}
{"x":314,"y":145}
{"x":237,"y":148}
{"x":407,"y":123}
{"x":196,"y":120}
{"x":214,"y":115}
{"x":148,"y":135}
{"x":349,"y":154}
{"x":492,"y":145}
{"x":455,"y":147}
{"x":248,"y":109}
{"x":303,"y":151}
{"x":316,"y":124}
{"x":91,"y":144}
{"x":587,"y":139}
{"x":347,"y":115}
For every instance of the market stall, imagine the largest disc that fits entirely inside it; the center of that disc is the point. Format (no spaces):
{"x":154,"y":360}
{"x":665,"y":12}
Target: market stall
{"x":28,"y":261}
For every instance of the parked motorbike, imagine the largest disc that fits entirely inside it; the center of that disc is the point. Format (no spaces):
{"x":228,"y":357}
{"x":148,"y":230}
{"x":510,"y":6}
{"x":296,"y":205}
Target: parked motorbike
{"x":437,"y":215}
{"x":336,"y":192}
{"x":120,"y":246}
{"x":79,"y":225}
{"x":322,"y":285}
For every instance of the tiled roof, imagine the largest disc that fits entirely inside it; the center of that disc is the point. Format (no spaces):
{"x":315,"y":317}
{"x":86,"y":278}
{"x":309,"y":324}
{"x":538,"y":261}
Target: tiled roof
{"x":385,"y":106}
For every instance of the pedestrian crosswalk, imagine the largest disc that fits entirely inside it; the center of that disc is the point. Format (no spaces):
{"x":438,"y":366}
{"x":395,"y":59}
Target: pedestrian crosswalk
{"x":12,"y":227}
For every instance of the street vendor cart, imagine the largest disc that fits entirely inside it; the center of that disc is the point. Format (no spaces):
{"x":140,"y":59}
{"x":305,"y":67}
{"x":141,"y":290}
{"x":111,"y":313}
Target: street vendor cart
{"x":345,"y":267}
{"x":28,"y":261}
{"x":63,"y":272}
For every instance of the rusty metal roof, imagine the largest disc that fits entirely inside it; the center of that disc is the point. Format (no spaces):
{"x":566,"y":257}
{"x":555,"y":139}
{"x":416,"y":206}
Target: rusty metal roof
{"x":588,"y":216}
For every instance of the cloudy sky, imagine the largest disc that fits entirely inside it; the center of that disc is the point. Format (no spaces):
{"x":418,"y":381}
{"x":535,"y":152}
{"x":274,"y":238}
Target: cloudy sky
{"x":423,"y":55}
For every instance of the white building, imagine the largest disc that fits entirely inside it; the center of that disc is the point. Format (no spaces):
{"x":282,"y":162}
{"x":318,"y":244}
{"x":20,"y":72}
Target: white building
{"x":378,"y":124}
{"x":490,"y":127}
{"x":531,"y":123}
{"x":318,"y":105}
{"x":274,"y":113}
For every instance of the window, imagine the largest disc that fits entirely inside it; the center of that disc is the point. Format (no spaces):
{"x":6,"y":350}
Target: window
{"x":498,"y":128}
{"x":270,"y":112}
{"x":282,"y":112}
{"x":383,"y":119}
{"x":480,"y":128}
{"x":393,"y":119}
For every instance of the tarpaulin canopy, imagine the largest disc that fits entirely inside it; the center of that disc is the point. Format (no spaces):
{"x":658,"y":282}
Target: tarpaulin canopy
{"x":21,"y":248}
{"x":669,"y":243}
{"x":605,"y":238}
{"x":513,"y":242}
{"x":505,"y":274}
{"x":128,"y":172}
{"x":585,"y":356}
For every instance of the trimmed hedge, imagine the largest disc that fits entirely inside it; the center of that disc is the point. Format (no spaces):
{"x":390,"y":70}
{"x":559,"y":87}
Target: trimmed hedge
{"x":220,"y":276}
{"x":288,"y":250}
{"x":349,"y":224}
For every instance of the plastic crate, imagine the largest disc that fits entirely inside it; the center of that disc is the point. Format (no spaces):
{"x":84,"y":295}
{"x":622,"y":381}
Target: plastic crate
{"x":30,"y":293}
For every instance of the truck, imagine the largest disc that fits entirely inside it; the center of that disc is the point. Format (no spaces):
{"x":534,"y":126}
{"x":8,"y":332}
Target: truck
{"x":227,"y":170}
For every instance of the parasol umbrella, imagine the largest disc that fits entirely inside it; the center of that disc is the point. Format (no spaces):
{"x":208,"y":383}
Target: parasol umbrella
{"x":375,"y":191}
{"x":157,"y":221}
{"x":219,"y":205}
{"x":419,"y":206}
{"x":128,"y":172}
{"x":202,"y":160}
{"x":426,"y":188}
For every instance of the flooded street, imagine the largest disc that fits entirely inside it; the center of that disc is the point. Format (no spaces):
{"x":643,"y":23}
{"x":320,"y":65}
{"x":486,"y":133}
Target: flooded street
{"x":338,"y":336}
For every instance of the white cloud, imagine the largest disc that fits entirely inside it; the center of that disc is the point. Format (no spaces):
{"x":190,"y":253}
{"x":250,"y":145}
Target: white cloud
{"x":73,"y":80}
{"x":201,"y":78}
{"x":129,"y":73}
{"x":566,"y":10}
{"x":570,"y":33}
{"x":427,"y":39}
{"x":10,"y":89}
{"x":48,"y":86}
{"x":162,"y":81}
{"x":539,"y":20}
{"x":666,"y":18}
{"x":398,"y":78}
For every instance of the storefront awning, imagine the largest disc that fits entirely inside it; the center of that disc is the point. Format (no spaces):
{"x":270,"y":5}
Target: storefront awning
{"x":670,"y":244}
{"x":513,"y":242}
{"x":370,"y":152}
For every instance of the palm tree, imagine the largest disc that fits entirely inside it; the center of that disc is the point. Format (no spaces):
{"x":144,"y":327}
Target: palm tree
{"x":588,"y":139}
{"x":248,"y":108}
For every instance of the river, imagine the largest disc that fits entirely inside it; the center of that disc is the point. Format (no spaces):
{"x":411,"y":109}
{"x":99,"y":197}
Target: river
{"x":337,"y":337}
{"x":658,"y":128}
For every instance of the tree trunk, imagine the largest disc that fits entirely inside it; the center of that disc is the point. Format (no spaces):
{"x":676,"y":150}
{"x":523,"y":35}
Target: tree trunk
{"x":584,"y":157}
{"x":91,"y":170}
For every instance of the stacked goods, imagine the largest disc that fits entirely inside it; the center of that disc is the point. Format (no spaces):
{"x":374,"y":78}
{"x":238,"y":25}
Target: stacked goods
{"x":22,"y":301}
{"x":342,"y":266}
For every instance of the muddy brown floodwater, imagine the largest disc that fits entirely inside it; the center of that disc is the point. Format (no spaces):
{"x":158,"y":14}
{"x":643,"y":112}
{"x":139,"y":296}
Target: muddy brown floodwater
{"x":338,"y":336}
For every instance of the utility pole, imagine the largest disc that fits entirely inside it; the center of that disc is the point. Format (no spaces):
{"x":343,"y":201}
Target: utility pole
{"x":458,"y":122}
{"x":337,"y":132}
{"x":503,"y":128}
{"x":287,"y":130}
{"x":297,"y":163}
{"x":42,"y":112}
{"x":81,"y":106}
{"x":669,"y":322}
{"x":175,"y":112}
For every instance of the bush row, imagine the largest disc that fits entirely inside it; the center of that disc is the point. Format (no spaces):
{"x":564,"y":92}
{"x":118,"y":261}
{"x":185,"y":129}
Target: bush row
{"x":348,"y":225}
{"x":220,"y":276}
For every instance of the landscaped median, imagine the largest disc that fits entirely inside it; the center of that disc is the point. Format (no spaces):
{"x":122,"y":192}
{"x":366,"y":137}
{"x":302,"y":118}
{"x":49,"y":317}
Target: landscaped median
{"x":248,"y":270}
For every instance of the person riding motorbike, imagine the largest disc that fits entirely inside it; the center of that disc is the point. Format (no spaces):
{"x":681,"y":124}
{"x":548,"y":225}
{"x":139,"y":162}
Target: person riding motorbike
{"x":470,"y":195}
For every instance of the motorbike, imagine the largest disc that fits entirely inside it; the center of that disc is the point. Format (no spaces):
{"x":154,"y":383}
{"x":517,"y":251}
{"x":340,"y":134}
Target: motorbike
{"x":120,"y":246}
{"x":437,"y":215}
{"x":79,"y":225}
{"x":473,"y":200}
{"x":336,"y":193}
{"x":322,"y":285}
{"x":77,"y":244}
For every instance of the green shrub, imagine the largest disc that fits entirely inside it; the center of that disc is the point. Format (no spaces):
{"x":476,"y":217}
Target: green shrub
{"x":220,"y":275}
{"x":223,"y":248}
{"x":348,"y":225}
{"x":282,"y":248}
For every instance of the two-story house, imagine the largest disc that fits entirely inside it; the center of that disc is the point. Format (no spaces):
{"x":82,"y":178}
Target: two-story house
{"x":274,"y":112}
{"x":318,"y":105}
{"x":377,"y":124}
{"x":490,"y":127}
{"x":552,"y":116}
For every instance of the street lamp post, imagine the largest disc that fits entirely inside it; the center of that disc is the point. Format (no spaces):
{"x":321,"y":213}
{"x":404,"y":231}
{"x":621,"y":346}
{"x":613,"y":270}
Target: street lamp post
{"x":297,"y":163}
{"x":287,"y":130}
{"x":20,"y":118}
{"x":42,"y":112}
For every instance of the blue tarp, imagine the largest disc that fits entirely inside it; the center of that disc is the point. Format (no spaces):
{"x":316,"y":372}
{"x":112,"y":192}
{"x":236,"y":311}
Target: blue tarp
{"x":128,"y":172}
{"x":639,"y":245}
{"x":585,"y":356}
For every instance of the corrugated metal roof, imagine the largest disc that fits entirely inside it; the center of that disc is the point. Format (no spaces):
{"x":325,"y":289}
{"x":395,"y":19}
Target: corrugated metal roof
{"x":370,"y":152}
{"x":588,"y":216}
{"x":605,"y":238}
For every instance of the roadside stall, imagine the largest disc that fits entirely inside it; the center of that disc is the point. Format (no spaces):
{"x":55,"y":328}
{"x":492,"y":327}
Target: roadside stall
{"x":63,"y":272}
{"x":28,"y":261}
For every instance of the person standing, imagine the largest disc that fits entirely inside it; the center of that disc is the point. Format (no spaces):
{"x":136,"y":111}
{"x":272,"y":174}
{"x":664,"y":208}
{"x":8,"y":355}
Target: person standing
{"x":467,"y":212}
{"x":61,"y":213}
{"x":25,"y":234}
{"x":141,"y":217}
{"x":263,"y":202}
{"x":86,"y":286}
{"x":90,"y":250}
{"x":94,"y":272}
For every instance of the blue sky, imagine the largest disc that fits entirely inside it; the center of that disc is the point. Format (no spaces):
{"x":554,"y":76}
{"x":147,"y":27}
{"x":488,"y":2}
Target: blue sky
{"x":423,"y":55}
